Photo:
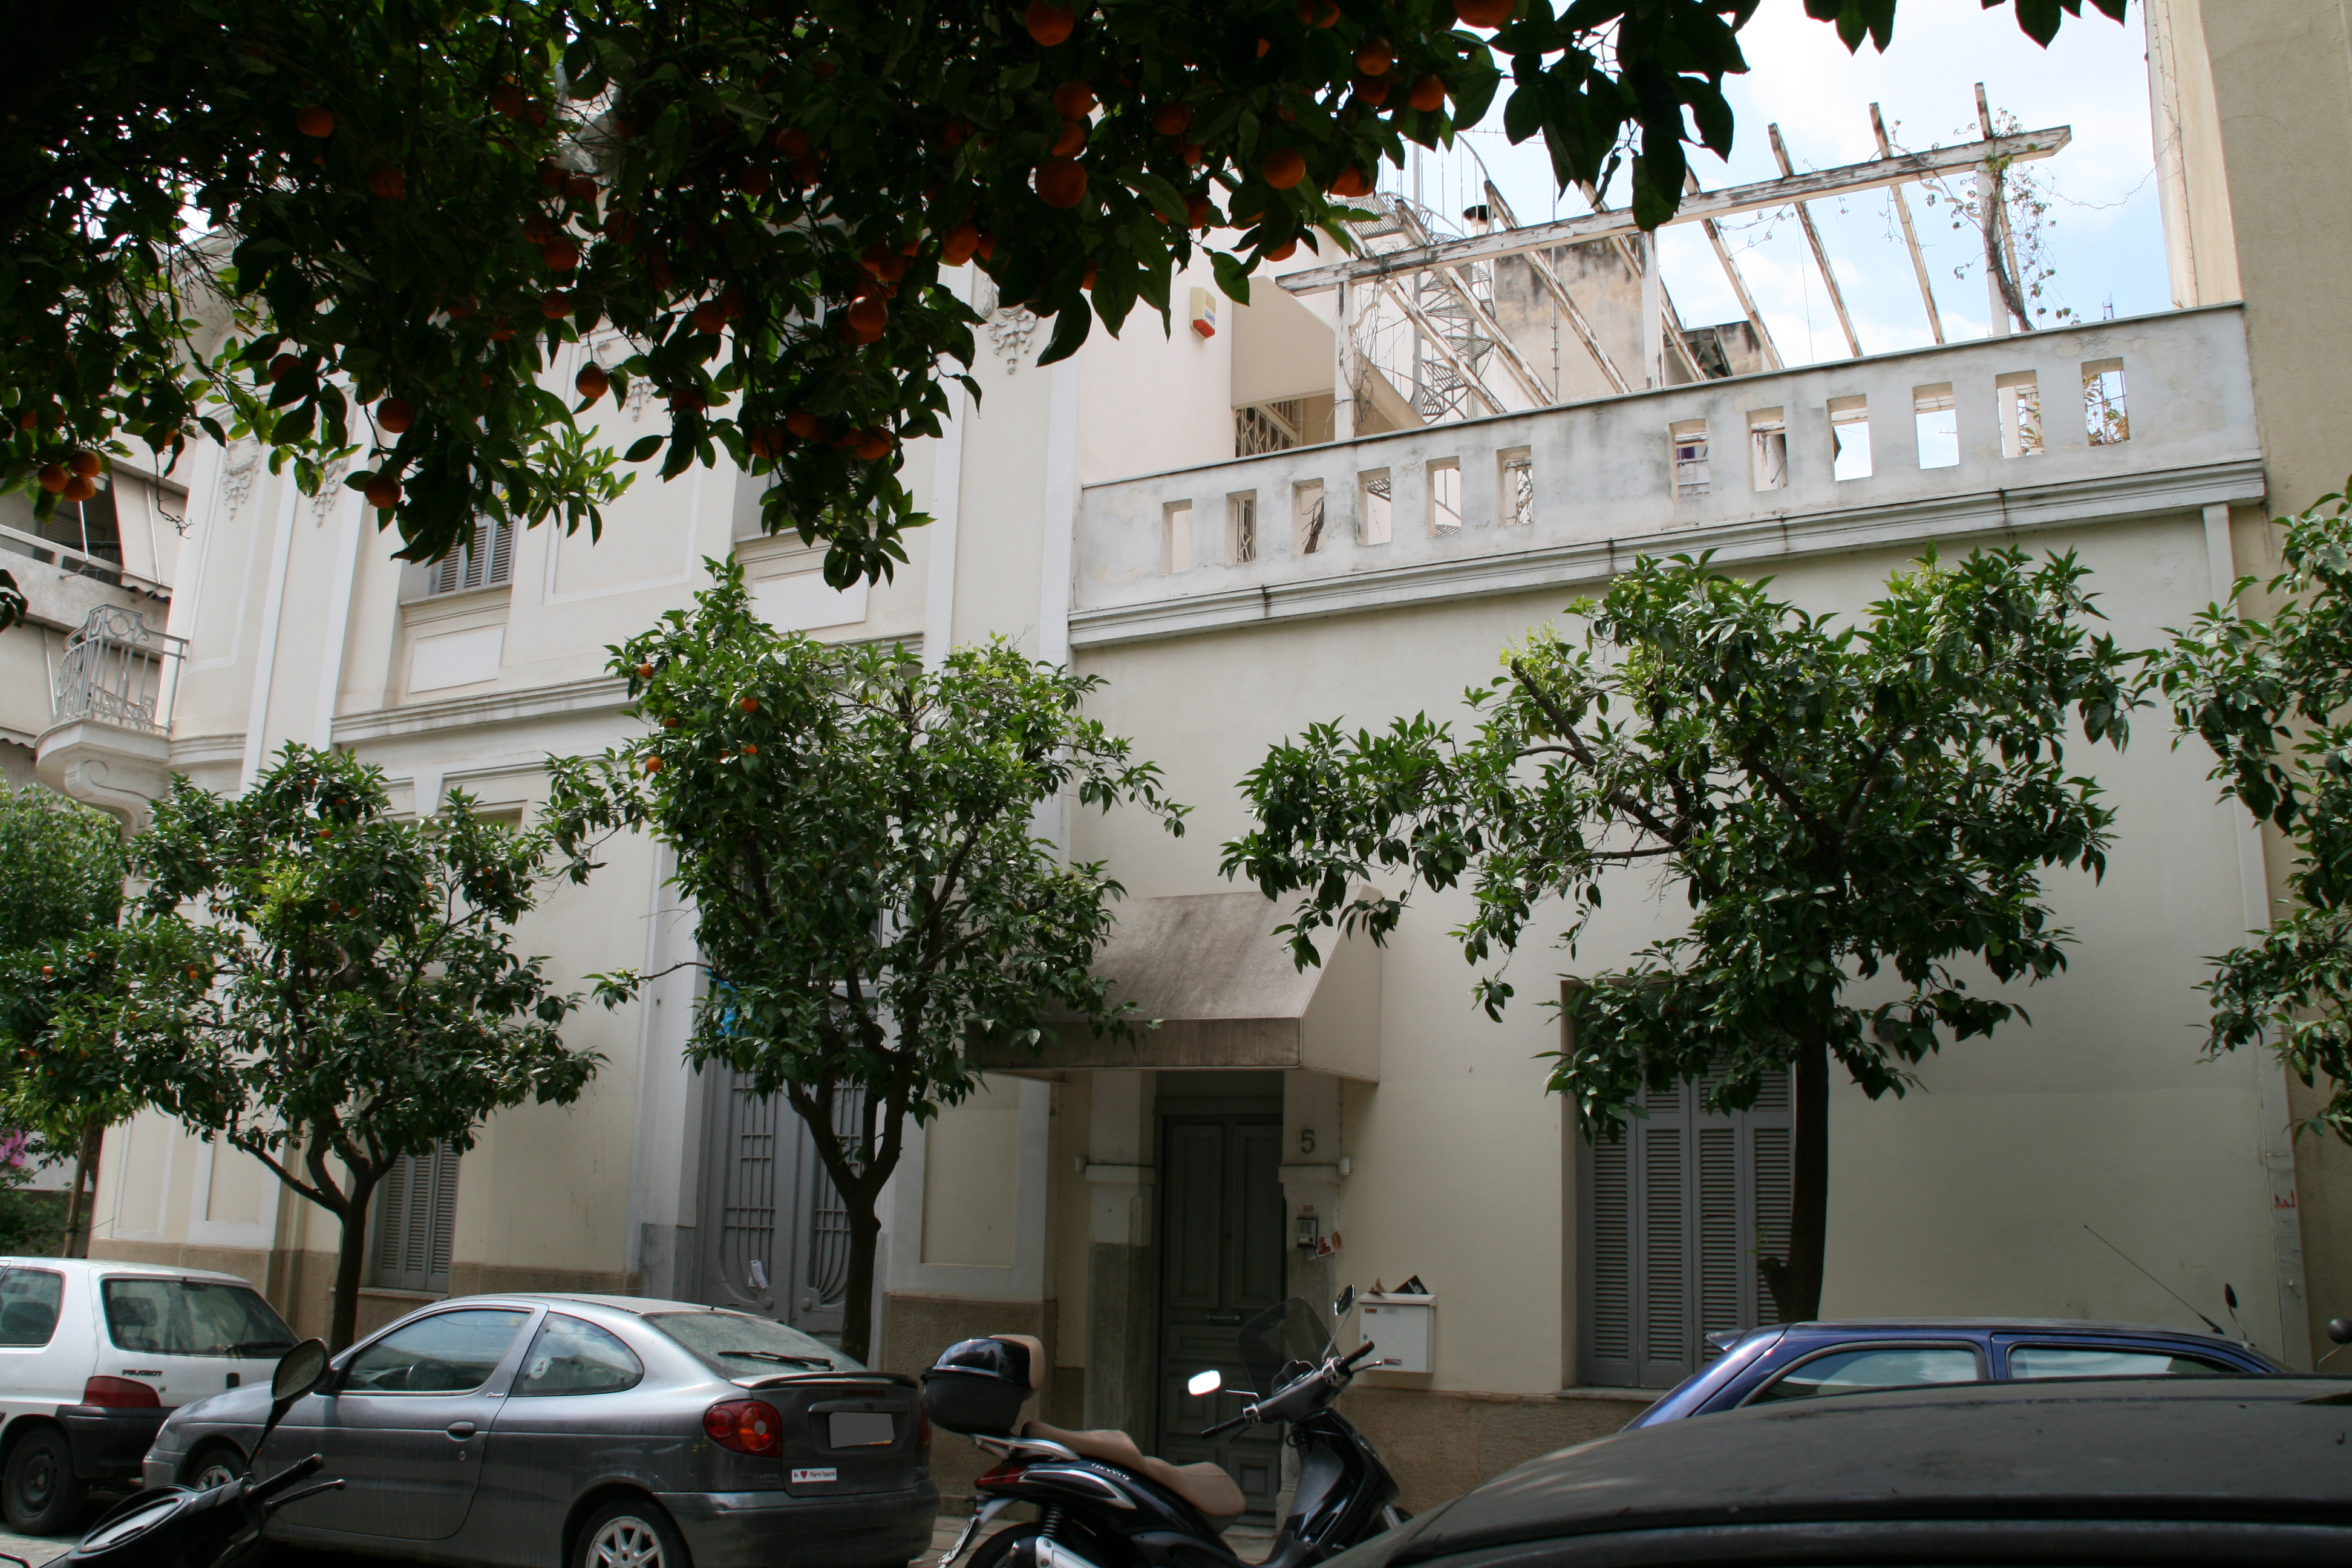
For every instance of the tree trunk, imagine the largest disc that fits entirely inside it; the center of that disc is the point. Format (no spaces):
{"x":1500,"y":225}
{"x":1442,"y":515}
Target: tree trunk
{"x":85,"y":1169}
{"x":858,"y":1295}
{"x":1796,"y":1281}
{"x":350,"y":1259}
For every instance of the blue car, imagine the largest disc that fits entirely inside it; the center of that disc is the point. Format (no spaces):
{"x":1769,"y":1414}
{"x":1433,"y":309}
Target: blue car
{"x":1788,"y":1362}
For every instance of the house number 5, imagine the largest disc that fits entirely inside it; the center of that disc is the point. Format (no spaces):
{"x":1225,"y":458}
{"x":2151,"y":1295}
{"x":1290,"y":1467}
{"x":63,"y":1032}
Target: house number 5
{"x":1306,"y":1140}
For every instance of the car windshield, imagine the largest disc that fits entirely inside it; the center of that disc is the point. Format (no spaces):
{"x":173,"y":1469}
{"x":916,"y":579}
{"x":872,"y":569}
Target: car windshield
{"x":190,"y":1317}
{"x":741,"y":1345}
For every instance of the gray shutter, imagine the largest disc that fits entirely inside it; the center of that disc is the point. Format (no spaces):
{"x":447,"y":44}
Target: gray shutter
{"x":1674,"y":1217}
{"x":501,"y":553}
{"x":448,"y":571}
{"x":416,"y":1212}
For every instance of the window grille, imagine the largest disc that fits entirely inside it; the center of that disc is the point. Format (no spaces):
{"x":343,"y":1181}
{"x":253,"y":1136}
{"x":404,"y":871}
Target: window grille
{"x":1269,"y":427}
{"x":2020,"y":414}
{"x":1378,"y":509}
{"x":1768,"y":450}
{"x":1678,"y":1214}
{"x":415,"y":1213}
{"x":1241,"y":519}
{"x":1307,"y":517}
{"x":486,"y":563}
{"x":1692,"y":477}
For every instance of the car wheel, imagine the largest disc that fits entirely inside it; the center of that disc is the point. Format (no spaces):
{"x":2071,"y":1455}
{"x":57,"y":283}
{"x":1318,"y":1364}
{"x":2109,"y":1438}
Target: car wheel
{"x":630,"y":1534}
{"x":39,"y":1492}
{"x":214,"y":1467}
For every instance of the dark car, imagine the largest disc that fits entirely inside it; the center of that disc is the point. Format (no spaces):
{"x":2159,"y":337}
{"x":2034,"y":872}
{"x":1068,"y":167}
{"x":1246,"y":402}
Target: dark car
{"x":549,"y":1431}
{"x":2176,"y":1470}
{"x":1806,"y":1361}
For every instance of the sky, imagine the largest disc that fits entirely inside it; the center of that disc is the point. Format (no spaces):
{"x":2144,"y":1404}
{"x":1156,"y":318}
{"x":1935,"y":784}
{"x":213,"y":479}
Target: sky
{"x":2102,"y":231}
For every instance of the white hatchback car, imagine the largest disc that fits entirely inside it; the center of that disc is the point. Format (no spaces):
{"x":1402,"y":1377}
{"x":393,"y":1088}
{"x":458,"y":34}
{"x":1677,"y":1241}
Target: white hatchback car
{"x":94,"y":1354}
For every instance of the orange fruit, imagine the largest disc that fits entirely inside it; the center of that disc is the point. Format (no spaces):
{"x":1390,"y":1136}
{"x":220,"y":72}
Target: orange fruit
{"x":749,"y":750}
{"x":1198,"y":212}
{"x":314,"y":120}
{"x":1284,"y":251}
{"x":1428,"y":93}
{"x":1173,"y":119}
{"x":1074,"y":99}
{"x":1488,"y":14}
{"x":1191,"y":154}
{"x":555,"y":304}
{"x":1089,"y":281}
{"x":804,"y":425}
{"x":643,"y":670}
{"x":1283,"y":167}
{"x":1047,"y":23}
{"x":753,"y":181}
{"x":1061,"y":182}
{"x":383,"y":492}
{"x":749,"y":705}
{"x":396,"y":415}
{"x":1374,"y":57}
{"x":283,"y":366}
{"x":1371,"y":89}
{"x":957,"y":246}
{"x":580,"y":187}
{"x":592,"y":383}
{"x":655,"y":764}
{"x":85,"y":464}
{"x":709,"y":317}
{"x":1264,"y":47}
{"x":1350,"y":183}
{"x":1073,"y":137}
{"x":562,"y":255}
{"x":53,"y":477}
{"x":388,"y":183}
{"x":793,"y":142}
{"x":876,"y":444}
{"x":867,"y":318}
{"x":688,"y":400}
{"x":81,"y":486}
{"x":986,"y":248}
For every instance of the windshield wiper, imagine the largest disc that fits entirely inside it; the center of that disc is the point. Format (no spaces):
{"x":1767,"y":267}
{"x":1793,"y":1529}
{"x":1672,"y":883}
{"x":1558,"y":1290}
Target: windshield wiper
{"x":781,"y":1357}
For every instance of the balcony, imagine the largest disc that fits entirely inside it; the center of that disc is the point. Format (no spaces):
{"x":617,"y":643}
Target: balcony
{"x":1969,"y":443}
{"x":110,"y":746}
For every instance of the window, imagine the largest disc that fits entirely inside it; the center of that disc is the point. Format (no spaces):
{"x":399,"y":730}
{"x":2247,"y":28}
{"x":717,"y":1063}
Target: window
{"x":2093,"y":1361}
{"x":571,"y":1356}
{"x":487,"y":563}
{"x":1689,"y":440}
{"x":1882,"y":1366}
{"x":416,"y":1209}
{"x":1375,"y":511}
{"x":91,"y":526}
{"x":1307,"y":517}
{"x":1677,"y":1215}
{"x":1176,"y":536}
{"x":190,"y":1317}
{"x":1768,"y":450}
{"x":2020,"y":414}
{"x":1446,"y":497}
{"x":29,"y":1299}
{"x":1519,"y":494}
{"x":1938,"y":422}
{"x":450,"y":1352}
{"x":2105,"y":419}
{"x":737,"y":1343}
{"x":1240,"y":527}
{"x":1850,"y":437}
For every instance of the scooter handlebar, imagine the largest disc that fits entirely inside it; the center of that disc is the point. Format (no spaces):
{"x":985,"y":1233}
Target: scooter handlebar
{"x":1361,"y":1351}
{"x":300,"y":1470}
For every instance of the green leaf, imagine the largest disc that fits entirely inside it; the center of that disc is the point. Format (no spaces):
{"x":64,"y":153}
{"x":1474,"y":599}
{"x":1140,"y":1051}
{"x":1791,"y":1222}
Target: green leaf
{"x":1233,"y":276}
{"x":644,"y":446}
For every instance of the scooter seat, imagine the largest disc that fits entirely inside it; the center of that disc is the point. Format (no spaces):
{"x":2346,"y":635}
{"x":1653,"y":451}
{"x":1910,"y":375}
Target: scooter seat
{"x":1205,"y":1485}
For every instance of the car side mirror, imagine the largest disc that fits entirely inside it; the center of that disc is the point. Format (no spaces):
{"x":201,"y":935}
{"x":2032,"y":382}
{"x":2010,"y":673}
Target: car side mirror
{"x":1202,"y":1384}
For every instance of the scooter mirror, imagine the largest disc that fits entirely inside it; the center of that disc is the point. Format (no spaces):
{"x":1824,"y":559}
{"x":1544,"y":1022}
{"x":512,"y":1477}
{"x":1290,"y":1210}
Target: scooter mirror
{"x":1347,"y":1300}
{"x":299,"y":1371}
{"x":1204,"y":1382}
{"x":2340,"y":1331}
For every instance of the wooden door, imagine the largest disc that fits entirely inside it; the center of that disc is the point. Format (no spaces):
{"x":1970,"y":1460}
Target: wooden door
{"x":1222,"y":1261}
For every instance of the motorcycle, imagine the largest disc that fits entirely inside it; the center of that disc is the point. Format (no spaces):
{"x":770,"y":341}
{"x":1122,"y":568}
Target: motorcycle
{"x":1095,"y":1511}
{"x":218,"y":1526}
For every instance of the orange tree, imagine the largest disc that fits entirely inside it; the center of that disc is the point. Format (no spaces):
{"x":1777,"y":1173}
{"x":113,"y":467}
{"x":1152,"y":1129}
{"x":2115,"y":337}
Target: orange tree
{"x":857,"y":836}
{"x":399,"y":210}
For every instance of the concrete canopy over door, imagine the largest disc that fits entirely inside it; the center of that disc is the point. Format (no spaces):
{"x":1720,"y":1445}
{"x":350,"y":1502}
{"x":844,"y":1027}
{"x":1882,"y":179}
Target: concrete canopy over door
{"x":1227,"y":995}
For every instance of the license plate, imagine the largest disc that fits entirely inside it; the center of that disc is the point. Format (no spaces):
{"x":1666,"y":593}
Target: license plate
{"x":825,"y":1475}
{"x":863,"y":1429}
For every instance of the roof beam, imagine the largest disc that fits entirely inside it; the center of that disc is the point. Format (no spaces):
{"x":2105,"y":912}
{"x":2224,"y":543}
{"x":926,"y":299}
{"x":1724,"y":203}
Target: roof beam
{"x":1582,"y":328}
{"x":1903,"y":169}
{"x":1814,"y":238}
{"x":1910,"y":235}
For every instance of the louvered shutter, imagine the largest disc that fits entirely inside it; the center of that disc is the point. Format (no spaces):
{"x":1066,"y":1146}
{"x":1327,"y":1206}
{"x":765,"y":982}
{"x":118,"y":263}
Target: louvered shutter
{"x":501,"y":553}
{"x":1675,"y":1218}
{"x":448,"y":572}
{"x":488,"y":561}
{"x":416,"y":1212}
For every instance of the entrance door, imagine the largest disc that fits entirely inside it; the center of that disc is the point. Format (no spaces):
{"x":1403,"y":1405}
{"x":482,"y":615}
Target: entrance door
{"x":775,"y":1234}
{"x":1221,"y":1262}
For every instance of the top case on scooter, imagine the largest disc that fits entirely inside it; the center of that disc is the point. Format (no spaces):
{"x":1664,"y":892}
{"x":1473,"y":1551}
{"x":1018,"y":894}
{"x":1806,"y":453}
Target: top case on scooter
{"x":978,"y":1386}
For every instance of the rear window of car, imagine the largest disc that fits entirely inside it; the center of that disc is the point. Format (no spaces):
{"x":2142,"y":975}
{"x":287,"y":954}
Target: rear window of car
{"x":2026,"y":1362}
{"x":189,"y":1316}
{"x":29,"y":1299}
{"x":571,"y":1356}
{"x":1879,"y":1366}
{"x":741,"y":1345}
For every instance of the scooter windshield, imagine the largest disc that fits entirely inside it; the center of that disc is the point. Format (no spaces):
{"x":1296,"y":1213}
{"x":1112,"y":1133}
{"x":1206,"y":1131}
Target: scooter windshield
{"x":1282,"y":1334}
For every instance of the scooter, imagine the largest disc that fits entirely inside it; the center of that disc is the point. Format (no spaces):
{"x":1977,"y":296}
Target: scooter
{"x":1093,"y":1513}
{"x":219,"y":1527}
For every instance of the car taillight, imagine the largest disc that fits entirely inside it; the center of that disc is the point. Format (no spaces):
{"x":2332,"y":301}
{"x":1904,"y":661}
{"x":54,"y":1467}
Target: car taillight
{"x":747,"y":1426}
{"x":120,"y":1393}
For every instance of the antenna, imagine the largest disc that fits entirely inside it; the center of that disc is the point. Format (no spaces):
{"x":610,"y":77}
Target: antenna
{"x":2160,"y":1285}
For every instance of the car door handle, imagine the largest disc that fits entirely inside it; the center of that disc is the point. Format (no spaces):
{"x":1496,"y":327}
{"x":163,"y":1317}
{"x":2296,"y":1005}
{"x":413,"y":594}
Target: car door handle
{"x":461,"y":1430}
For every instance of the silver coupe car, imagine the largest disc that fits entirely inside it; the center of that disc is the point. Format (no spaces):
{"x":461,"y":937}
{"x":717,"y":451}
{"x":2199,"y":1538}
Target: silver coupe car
{"x":588,"y":1432}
